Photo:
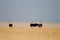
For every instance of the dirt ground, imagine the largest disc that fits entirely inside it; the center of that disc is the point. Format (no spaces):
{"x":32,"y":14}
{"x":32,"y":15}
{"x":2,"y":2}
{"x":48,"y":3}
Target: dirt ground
{"x":29,"y":33}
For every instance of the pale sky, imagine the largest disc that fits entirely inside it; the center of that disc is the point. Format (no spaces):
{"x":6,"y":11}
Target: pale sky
{"x":28,"y":10}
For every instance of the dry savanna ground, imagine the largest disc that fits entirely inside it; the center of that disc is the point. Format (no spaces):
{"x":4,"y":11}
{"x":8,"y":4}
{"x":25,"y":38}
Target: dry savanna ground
{"x":27,"y":33}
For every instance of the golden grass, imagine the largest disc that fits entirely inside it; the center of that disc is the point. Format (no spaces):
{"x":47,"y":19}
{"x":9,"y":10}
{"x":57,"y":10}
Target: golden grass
{"x":21,"y":33}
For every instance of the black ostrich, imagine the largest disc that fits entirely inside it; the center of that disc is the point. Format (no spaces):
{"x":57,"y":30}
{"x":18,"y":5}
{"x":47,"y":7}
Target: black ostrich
{"x":35,"y":25}
{"x":10,"y":25}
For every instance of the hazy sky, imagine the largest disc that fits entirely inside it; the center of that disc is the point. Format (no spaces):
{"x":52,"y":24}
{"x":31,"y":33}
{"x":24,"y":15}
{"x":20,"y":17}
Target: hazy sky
{"x":28,"y":10}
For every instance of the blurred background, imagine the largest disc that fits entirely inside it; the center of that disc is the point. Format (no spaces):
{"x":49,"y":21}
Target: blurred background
{"x":29,"y":10}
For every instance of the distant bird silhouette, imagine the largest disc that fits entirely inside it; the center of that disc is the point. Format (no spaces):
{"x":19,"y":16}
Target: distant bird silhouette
{"x":35,"y":25}
{"x":10,"y":25}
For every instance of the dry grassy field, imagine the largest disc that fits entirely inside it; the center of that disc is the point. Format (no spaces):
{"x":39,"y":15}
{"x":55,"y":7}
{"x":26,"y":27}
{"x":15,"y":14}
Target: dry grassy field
{"x":28,"y":33}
